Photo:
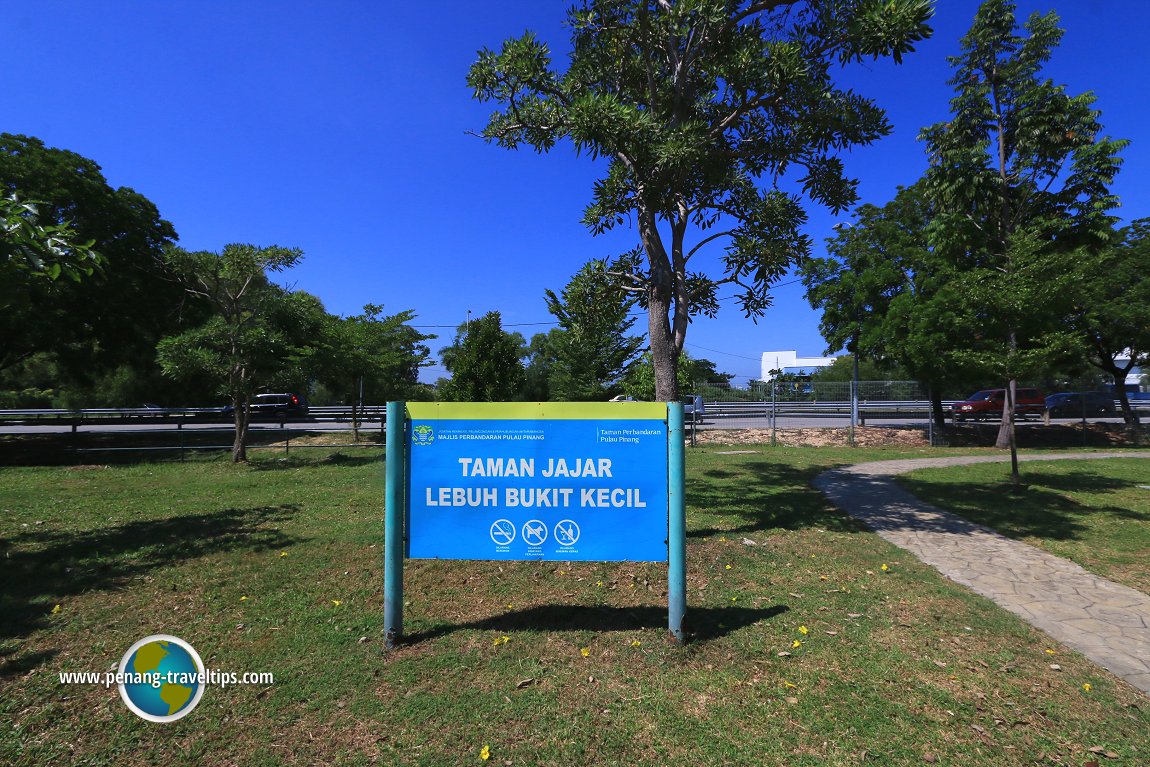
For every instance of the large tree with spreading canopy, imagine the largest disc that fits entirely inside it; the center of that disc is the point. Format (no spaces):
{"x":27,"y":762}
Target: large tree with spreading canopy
{"x":716,"y":118}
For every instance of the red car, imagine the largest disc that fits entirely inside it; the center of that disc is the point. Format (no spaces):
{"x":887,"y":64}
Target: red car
{"x":989,"y":403}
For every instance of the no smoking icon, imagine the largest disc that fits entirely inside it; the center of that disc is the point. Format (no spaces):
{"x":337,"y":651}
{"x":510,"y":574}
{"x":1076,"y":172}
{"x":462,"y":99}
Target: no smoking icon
{"x":502,"y":532}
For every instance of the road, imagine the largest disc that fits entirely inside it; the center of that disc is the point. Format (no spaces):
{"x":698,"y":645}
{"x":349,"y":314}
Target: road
{"x":141,"y":427}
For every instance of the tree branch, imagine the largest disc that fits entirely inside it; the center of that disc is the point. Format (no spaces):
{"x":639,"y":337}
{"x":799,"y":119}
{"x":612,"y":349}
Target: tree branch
{"x":705,"y":240}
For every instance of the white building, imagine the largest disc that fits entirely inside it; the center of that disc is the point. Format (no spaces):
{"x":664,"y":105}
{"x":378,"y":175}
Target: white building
{"x":1134,"y":377}
{"x":791,"y":362}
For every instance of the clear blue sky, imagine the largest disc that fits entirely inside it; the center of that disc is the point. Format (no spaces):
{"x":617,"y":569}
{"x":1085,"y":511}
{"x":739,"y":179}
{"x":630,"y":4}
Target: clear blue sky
{"x":340,"y":128}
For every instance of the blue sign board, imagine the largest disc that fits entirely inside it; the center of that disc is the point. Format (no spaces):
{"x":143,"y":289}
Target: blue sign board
{"x":545,"y":481}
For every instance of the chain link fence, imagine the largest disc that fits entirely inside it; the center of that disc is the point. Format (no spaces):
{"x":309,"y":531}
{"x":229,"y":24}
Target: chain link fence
{"x":812,"y":391}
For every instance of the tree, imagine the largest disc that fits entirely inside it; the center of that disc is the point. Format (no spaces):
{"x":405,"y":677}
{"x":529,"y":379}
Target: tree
{"x":883,"y":292}
{"x":539,"y":361}
{"x":592,"y":350}
{"x":1112,"y":311}
{"x":372,"y":356}
{"x":703,"y":371}
{"x":485,"y":363}
{"x":111,"y":318}
{"x":640,"y":381}
{"x":247,"y":341}
{"x":694,"y":105}
{"x":1019,"y":176}
{"x":842,"y":371}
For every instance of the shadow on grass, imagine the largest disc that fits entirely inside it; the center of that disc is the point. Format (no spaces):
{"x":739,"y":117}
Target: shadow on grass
{"x":155,"y":446}
{"x":43,"y":566}
{"x":763,"y":495}
{"x":1039,"y":509}
{"x":701,"y":623}
{"x":298,"y":462}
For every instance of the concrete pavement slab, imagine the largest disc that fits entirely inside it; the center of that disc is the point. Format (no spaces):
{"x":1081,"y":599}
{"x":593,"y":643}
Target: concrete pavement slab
{"x":1105,"y":621}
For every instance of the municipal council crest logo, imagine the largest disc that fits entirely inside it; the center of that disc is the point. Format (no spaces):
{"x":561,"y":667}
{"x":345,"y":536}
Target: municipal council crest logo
{"x":163,"y":678}
{"x":422,"y":434}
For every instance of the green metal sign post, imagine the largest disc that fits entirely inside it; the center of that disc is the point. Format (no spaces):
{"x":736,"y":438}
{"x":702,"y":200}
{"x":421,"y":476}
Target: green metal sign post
{"x":535,"y":481}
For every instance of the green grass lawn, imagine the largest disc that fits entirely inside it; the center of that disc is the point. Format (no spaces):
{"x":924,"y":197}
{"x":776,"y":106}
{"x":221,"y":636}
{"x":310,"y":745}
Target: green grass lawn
{"x":1095,"y":513}
{"x":807,"y":650}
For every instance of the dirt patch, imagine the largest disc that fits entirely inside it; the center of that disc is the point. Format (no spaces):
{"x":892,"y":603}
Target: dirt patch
{"x":330,"y":439}
{"x":1030,"y":435}
{"x":865,"y":436}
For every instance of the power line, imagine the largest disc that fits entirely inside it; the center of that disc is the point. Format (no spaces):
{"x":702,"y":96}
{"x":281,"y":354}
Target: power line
{"x":769,"y":287}
{"x":729,"y":354}
{"x":640,"y":315}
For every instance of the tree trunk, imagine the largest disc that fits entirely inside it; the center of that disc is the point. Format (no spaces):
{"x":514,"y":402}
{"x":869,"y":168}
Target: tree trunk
{"x":1006,"y":435}
{"x":660,"y":295}
{"x":1007,"y":423}
{"x":1129,"y":414}
{"x":355,"y":405}
{"x":664,"y":357}
{"x":240,"y":443}
{"x":936,"y":411}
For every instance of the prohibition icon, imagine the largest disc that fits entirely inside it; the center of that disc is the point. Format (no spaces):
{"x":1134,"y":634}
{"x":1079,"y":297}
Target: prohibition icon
{"x":566,"y":532}
{"x":534,"y":532}
{"x":502,"y":531}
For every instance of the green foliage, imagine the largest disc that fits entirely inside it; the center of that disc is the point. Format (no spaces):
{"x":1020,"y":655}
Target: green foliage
{"x":700,"y":108}
{"x":90,"y":320}
{"x":1019,"y":178}
{"x":539,"y":362}
{"x":1112,"y":307}
{"x":592,"y":351}
{"x":640,"y":381}
{"x":704,"y":371}
{"x":883,"y":289}
{"x":381,"y":354}
{"x":258,"y":335}
{"x":38,"y":251}
{"x":842,"y":369}
{"x":485,"y":363}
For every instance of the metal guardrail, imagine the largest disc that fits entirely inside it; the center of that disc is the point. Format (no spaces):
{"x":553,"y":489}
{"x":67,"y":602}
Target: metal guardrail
{"x":874,"y":409}
{"x":867,"y":409}
{"x":178,"y":416}
{"x":376,"y":414}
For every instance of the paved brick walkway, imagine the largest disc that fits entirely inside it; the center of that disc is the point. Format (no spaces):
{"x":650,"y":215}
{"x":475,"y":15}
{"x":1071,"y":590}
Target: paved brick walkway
{"x":1106,"y":622}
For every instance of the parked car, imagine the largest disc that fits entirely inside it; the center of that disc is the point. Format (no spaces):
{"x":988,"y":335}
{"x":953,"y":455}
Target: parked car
{"x":274,"y":406}
{"x":989,"y":403}
{"x":1078,"y":404}
{"x":693,"y":408}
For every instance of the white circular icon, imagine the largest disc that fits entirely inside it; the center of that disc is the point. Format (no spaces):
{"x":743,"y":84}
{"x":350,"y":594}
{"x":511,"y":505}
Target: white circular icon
{"x":566,"y":532}
{"x":534,"y":532}
{"x":502,"y":531}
